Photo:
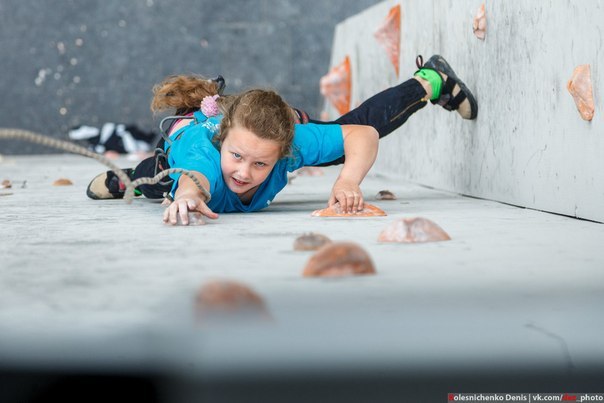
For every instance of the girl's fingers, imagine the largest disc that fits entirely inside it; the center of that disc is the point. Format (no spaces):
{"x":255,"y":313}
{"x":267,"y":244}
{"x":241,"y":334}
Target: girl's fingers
{"x":183,"y":212}
{"x":180,"y":210}
{"x":205,"y":210}
{"x":351,"y":202}
{"x":332,"y":200}
{"x":361,"y":204}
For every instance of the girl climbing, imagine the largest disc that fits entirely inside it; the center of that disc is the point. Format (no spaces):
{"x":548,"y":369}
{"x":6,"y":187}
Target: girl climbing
{"x":241,"y":147}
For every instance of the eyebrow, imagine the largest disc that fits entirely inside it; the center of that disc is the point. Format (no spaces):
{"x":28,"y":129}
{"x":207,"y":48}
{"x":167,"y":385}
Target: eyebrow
{"x":233,"y":149}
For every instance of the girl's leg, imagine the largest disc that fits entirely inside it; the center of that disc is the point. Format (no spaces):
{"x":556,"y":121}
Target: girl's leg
{"x":389,"y":109}
{"x":108,"y":186}
{"x":150,"y":167}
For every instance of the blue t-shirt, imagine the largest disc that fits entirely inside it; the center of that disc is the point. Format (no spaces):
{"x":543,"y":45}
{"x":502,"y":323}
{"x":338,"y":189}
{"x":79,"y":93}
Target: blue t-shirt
{"x":192,"y":149}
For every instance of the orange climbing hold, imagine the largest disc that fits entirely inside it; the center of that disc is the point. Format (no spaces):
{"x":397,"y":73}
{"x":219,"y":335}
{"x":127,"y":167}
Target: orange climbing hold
{"x":223,"y":299}
{"x":62,"y":182}
{"x":389,"y":36}
{"x":413,"y":230}
{"x":339,"y":259}
{"x":369,"y":210}
{"x":480,"y":23}
{"x":336,"y":86}
{"x":580,"y":88}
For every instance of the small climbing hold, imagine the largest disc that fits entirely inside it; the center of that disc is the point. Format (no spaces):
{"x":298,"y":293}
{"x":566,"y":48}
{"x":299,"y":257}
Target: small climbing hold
{"x":389,"y":36}
{"x":195,"y":218}
{"x":62,"y":182}
{"x":6,"y":184}
{"x":336,"y":86}
{"x":369,"y":210}
{"x":413,"y":230}
{"x":227,"y":299}
{"x":310,"y":171}
{"x":580,"y":88}
{"x":385,"y":195}
{"x":480,"y":23}
{"x":310,"y":241}
{"x":339,"y":259}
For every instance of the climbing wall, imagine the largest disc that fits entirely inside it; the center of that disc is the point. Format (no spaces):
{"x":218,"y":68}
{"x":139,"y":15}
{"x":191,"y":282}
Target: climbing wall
{"x":537,"y":71}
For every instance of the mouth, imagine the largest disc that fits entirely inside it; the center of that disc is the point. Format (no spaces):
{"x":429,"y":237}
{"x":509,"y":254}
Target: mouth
{"x":238,"y":182}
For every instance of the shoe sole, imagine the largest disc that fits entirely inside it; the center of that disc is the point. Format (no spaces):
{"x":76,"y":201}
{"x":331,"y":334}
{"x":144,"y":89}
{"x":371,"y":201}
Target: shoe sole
{"x":437,"y":62}
{"x":102,"y":193}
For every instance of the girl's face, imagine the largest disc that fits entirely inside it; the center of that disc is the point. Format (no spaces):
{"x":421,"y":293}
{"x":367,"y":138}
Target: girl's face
{"x":246,"y":159}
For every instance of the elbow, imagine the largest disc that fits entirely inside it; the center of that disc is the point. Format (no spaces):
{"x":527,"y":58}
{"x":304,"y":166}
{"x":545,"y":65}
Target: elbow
{"x":373,"y":134}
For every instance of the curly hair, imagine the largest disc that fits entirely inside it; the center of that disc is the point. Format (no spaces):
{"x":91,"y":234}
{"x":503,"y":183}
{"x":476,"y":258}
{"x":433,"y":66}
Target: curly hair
{"x":263,"y":112}
{"x":182,"y":93}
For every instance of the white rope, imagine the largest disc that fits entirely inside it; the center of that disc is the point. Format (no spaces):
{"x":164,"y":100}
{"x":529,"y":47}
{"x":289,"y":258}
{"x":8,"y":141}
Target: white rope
{"x":32,"y":137}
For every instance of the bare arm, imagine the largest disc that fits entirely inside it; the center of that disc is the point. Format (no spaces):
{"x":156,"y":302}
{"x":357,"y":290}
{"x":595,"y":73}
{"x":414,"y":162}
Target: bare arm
{"x":360,"y":148}
{"x":188,"y":197}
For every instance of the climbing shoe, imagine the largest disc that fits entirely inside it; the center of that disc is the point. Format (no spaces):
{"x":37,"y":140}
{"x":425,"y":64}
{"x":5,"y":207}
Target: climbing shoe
{"x":108,"y":186}
{"x":454,"y":94}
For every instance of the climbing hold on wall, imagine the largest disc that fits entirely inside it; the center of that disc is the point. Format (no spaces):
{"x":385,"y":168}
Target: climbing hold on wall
{"x":389,"y":36}
{"x":413,"y":230}
{"x":6,"y":184}
{"x":62,"y":182}
{"x":339,"y":259}
{"x":336,"y":86}
{"x":480,"y":22}
{"x":224,"y":299}
{"x":310,"y":171}
{"x":385,"y":195}
{"x":369,"y":210}
{"x":580,"y":88}
{"x":310,"y":241}
{"x":195,"y":218}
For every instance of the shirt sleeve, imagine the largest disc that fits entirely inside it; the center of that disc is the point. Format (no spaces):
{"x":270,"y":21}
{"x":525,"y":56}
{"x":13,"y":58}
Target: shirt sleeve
{"x":196,"y":156}
{"x":316,"y":144}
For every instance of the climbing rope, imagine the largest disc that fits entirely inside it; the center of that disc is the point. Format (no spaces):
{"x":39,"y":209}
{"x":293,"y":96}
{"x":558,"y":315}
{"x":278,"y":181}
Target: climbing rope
{"x":32,"y":137}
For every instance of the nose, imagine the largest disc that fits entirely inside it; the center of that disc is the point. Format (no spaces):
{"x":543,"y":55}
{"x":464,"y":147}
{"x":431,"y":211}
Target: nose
{"x":244,"y":172}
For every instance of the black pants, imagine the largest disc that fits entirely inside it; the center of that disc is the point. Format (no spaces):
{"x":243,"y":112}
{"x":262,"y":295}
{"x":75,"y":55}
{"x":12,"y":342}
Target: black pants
{"x":385,"y":111}
{"x":150,"y":167}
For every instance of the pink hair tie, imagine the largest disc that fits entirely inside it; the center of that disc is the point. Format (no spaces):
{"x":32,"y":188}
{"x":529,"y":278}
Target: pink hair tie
{"x":209,"y":106}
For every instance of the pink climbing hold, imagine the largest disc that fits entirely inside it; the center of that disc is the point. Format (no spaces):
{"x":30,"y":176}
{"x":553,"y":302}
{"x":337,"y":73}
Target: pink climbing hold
{"x":310,"y":241}
{"x":389,"y":36}
{"x":480,"y":23}
{"x":413,"y":230}
{"x":336,"y":86}
{"x":195,"y":218}
{"x":580,"y":88}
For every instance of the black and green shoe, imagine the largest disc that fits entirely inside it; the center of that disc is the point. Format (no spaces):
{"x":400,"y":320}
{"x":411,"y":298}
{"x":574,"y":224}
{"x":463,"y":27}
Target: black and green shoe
{"x":454,"y":94}
{"x":108,"y":186}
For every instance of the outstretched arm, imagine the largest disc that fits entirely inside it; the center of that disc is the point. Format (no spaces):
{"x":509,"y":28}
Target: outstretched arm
{"x":188,"y":197}
{"x":360,"y":148}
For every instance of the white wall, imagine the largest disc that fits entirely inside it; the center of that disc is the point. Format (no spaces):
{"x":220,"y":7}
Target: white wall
{"x":529,"y":146}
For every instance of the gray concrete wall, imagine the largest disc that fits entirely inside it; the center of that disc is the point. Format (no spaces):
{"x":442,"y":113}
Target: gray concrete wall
{"x":66,"y":63}
{"x":529,"y":146}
